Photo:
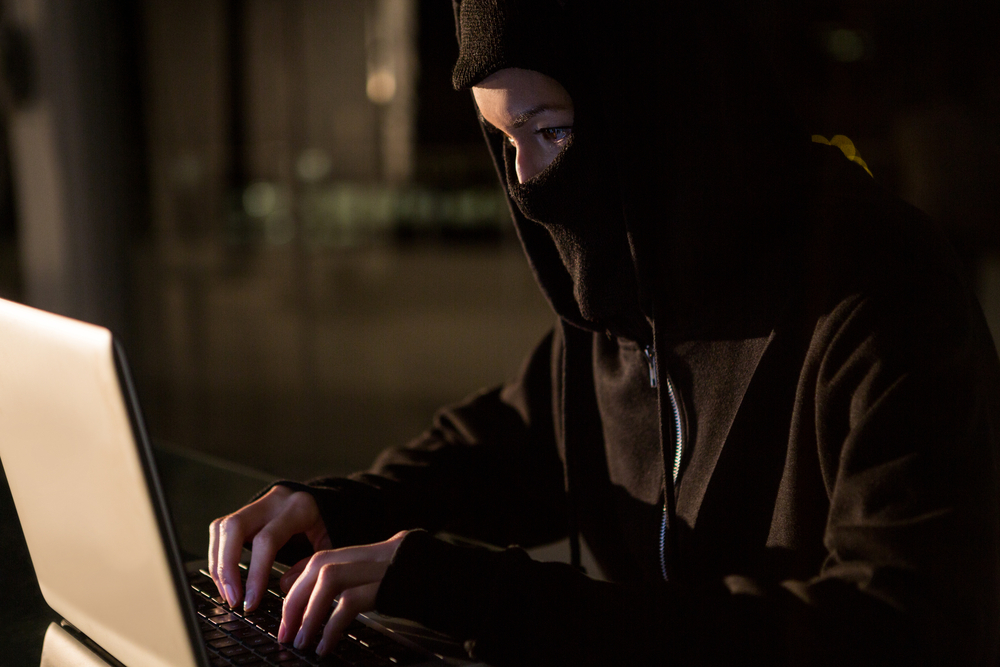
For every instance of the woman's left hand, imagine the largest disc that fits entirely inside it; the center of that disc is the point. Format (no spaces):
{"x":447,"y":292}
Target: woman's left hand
{"x":353,"y":573}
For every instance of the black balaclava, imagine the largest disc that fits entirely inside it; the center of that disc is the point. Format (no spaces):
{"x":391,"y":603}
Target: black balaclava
{"x":576,"y":198}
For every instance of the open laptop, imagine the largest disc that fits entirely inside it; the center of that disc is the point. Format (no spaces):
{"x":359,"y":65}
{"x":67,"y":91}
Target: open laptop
{"x":83,"y":479}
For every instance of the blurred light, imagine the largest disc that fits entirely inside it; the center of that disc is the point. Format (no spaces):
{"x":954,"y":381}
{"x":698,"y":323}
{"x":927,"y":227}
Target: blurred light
{"x":381,"y":86}
{"x":846,"y":46}
{"x":260,"y":199}
{"x":345,"y":214}
{"x":313,"y":165}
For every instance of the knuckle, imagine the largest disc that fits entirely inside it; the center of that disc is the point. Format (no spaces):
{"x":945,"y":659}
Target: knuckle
{"x":328,"y":574}
{"x":315,"y":562}
{"x":279,"y":491}
{"x":263,"y":539}
{"x":229,"y":524}
{"x":300,"y":501}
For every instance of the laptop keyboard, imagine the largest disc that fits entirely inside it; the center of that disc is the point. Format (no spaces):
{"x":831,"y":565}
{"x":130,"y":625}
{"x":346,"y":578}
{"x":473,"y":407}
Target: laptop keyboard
{"x":234,"y":638}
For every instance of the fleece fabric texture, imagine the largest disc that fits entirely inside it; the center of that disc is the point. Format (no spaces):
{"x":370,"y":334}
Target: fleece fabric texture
{"x":839,"y":391}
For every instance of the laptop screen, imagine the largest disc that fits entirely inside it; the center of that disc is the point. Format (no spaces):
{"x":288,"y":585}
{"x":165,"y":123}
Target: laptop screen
{"x":79,"y":471}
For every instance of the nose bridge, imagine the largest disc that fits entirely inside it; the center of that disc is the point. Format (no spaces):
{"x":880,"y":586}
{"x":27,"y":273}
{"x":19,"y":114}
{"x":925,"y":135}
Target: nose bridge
{"x":522,"y":164}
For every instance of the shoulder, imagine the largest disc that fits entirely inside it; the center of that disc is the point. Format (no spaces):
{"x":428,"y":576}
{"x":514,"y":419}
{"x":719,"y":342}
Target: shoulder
{"x":879,"y":281}
{"x":858,"y":237}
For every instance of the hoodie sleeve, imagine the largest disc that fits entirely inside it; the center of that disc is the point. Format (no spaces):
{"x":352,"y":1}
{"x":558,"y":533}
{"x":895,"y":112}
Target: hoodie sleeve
{"x":488,"y":469}
{"x":902,"y":388}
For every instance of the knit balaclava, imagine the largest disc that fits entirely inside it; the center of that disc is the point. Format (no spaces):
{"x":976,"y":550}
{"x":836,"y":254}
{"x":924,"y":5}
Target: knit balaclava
{"x":575,"y":198}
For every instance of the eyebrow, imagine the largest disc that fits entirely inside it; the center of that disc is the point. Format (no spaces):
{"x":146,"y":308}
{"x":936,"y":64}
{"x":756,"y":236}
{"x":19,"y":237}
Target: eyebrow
{"x":522,"y":118}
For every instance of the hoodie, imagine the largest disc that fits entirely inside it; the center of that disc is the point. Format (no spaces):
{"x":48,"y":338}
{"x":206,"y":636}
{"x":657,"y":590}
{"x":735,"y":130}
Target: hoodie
{"x":797,"y":466}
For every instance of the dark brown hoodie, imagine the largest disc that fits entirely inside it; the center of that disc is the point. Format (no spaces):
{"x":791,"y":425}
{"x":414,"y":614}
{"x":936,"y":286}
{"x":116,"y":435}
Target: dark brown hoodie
{"x":834,"y":388}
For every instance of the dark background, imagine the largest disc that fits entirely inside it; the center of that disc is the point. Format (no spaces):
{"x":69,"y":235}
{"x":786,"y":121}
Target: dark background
{"x":290,"y":218}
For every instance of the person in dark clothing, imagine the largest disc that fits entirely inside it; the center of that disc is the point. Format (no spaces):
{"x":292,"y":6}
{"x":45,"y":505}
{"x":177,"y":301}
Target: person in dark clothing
{"x":770,"y":404}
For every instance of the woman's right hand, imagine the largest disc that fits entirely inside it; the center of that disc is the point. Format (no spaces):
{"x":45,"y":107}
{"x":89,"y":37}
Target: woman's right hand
{"x":269,"y":522}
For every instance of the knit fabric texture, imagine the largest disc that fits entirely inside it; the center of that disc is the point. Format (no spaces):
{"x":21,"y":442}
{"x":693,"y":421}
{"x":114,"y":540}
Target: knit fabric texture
{"x":496,"y":34}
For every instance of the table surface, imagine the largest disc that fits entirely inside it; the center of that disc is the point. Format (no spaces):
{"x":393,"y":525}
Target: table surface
{"x":198,"y":489}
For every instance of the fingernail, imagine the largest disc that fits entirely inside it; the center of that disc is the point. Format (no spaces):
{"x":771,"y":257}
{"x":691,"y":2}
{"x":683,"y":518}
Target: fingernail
{"x":230,"y":595}
{"x":321,"y":648}
{"x":282,"y":633}
{"x":250,"y":599}
{"x":300,"y":640}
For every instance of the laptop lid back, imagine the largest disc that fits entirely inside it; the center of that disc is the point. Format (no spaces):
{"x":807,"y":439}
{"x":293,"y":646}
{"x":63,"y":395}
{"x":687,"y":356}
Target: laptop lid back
{"x":80,"y":472}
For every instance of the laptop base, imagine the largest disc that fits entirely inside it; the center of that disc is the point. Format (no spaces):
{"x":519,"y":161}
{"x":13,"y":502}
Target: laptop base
{"x":61,"y":649}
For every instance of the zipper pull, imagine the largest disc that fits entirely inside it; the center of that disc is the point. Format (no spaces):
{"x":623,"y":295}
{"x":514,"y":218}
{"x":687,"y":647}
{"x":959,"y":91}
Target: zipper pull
{"x":651,"y":362}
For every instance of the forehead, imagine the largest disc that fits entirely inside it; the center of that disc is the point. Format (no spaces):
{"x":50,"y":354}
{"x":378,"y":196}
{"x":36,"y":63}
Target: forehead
{"x":506,"y":96}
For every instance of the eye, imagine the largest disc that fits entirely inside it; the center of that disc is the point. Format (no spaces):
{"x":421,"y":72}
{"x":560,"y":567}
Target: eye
{"x":556,"y":135}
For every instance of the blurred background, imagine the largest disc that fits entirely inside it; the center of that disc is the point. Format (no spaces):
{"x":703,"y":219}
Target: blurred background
{"x":292,"y":222}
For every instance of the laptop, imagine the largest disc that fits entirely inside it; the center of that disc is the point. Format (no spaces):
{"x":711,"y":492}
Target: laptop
{"x":84,"y":482}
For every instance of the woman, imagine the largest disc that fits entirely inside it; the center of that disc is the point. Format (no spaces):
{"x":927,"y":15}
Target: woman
{"x":769,"y":403}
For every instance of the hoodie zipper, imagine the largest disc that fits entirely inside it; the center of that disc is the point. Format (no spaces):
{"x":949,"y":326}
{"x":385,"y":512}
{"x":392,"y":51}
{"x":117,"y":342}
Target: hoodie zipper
{"x":678,"y":446}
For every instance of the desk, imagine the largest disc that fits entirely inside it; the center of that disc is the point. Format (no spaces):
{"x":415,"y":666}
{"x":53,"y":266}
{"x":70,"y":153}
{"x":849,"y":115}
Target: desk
{"x":186,"y":478}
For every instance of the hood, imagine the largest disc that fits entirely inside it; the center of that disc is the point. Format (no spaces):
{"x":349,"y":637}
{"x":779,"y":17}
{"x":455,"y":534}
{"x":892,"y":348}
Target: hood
{"x":702,"y":147}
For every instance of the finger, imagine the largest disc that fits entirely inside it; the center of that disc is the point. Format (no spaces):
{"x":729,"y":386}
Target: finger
{"x":232,"y":532}
{"x":213,"y":550}
{"x":290,"y":575}
{"x":337,"y":577}
{"x":320,"y":602}
{"x":266,"y":542}
{"x":297,"y":597}
{"x":353,"y":602}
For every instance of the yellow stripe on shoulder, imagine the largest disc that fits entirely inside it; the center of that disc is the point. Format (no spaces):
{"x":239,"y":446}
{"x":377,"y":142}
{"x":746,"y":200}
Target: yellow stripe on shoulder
{"x":846,"y":147}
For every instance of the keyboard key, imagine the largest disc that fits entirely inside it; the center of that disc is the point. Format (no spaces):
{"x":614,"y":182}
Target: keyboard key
{"x":332,"y":660}
{"x":257,"y":640}
{"x":232,"y":651}
{"x":350,"y":651}
{"x":403,"y":656}
{"x":246,"y":632}
{"x":270,"y":606}
{"x":356,"y":626}
{"x":370,"y":661}
{"x":270,"y":627}
{"x":223,"y":618}
{"x":269,"y":647}
{"x":361,"y":646}
{"x":362,"y":630}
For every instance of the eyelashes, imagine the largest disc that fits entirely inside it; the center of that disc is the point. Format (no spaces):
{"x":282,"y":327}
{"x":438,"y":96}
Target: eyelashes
{"x":556,"y":135}
{"x":553,"y":135}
